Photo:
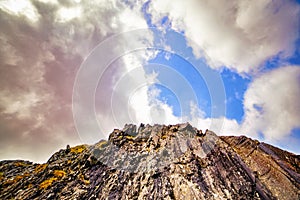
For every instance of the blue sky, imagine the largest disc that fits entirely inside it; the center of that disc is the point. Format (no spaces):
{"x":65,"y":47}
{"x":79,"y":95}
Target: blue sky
{"x":236,"y":83}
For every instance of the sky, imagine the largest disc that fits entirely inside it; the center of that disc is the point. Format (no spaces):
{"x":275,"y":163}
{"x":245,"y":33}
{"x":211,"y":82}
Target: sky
{"x":71,"y":71}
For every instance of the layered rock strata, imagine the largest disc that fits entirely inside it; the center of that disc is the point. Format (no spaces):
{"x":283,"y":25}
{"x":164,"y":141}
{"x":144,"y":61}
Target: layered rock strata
{"x":158,"y":162}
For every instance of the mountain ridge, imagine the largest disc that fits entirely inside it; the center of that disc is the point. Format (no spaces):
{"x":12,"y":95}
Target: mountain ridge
{"x":158,"y":162}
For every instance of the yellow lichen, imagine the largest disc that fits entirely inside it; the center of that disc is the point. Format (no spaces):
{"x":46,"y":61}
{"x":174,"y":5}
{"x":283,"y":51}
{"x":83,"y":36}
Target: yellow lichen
{"x":8,"y":182}
{"x":102,"y":144}
{"x":45,"y":184}
{"x":164,"y":137}
{"x":86,"y":182}
{"x":20,"y":164}
{"x":40,"y":168}
{"x":19,"y":177}
{"x":130,"y":142}
{"x":78,"y":149}
{"x":16,"y":179}
{"x":59,"y":173}
{"x":130,"y":137}
{"x":147,"y":149}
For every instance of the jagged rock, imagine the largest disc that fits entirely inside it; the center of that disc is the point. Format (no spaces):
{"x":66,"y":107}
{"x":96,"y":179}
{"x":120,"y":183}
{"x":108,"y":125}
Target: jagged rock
{"x":158,"y":162}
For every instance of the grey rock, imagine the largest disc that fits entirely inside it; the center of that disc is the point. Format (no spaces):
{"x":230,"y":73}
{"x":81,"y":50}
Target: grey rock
{"x":157,"y":162}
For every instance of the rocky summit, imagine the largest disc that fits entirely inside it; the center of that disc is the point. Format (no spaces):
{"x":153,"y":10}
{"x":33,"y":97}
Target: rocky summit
{"x":158,"y":162}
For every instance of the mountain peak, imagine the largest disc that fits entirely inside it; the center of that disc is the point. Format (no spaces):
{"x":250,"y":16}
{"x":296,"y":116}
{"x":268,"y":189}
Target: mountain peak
{"x":158,"y":162}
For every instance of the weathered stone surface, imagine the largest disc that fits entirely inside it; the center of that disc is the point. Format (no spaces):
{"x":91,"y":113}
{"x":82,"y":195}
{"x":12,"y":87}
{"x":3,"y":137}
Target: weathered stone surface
{"x":277,"y":170}
{"x":158,"y":162}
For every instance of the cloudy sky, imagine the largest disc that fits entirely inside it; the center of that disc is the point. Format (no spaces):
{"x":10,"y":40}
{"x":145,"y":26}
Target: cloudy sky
{"x":73,"y":70}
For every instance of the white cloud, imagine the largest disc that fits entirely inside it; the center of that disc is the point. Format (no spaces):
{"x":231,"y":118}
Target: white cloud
{"x":239,"y":34}
{"x":20,"y":8}
{"x":132,"y":97}
{"x":39,"y":62}
{"x":48,"y":1}
{"x":271,"y":104}
{"x":8,"y":52}
{"x":148,"y":109}
{"x":132,"y":19}
{"x":220,"y":125}
{"x":67,"y":14}
{"x":21,"y":107}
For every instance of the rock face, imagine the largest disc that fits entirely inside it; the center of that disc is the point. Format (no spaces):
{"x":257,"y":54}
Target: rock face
{"x":158,"y":162}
